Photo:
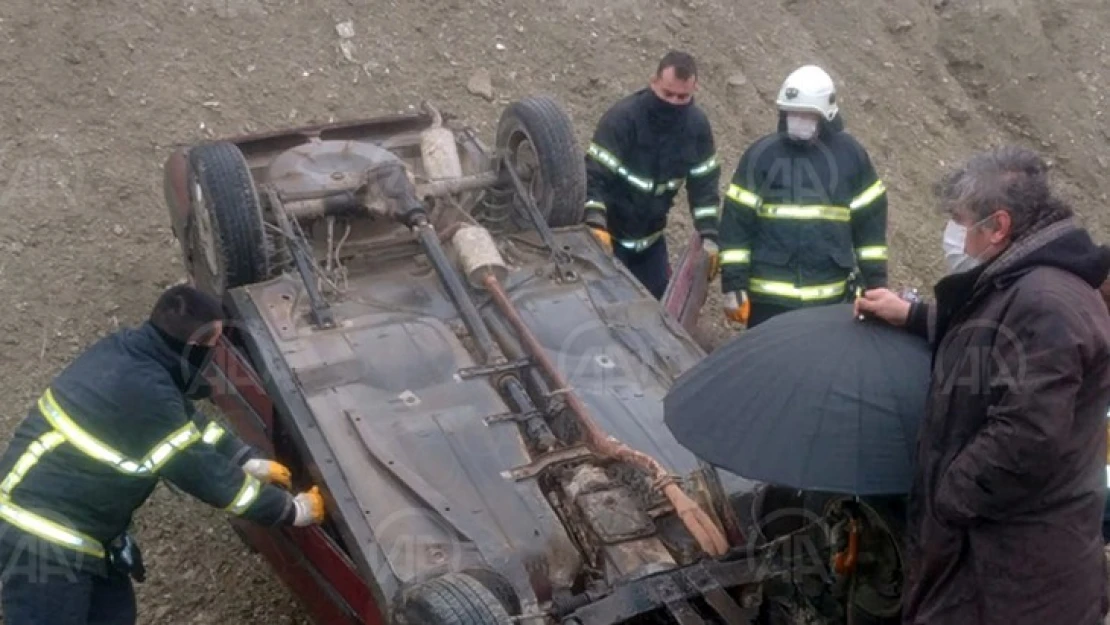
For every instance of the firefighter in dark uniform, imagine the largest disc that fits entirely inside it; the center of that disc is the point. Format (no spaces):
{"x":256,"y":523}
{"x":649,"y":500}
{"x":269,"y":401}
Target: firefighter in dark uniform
{"x":93,"y":448}
{"x":645,"y":148}
{"x":804,"y":219}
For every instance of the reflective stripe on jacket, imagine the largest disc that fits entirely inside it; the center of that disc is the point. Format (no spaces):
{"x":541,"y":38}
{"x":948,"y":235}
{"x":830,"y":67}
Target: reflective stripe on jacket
{"x":94,"y":446}
{"x":798,"y":220}
{"x":635,"y":167}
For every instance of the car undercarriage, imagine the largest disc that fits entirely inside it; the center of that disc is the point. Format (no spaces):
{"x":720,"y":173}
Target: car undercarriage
{"x":424,"y":328}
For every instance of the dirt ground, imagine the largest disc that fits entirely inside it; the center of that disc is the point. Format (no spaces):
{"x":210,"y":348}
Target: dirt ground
{"x":96,"y":92}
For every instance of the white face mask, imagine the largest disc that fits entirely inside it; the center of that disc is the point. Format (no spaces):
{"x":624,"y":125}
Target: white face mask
{"x":954,"y":242}
{"x":803,"y":127}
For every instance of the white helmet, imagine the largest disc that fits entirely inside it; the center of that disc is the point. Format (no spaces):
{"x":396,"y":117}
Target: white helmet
{"x":809,"y":88}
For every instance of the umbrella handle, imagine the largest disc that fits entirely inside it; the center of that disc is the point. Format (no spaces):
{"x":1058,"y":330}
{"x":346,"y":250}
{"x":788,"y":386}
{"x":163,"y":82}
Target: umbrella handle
{"x":845,"y":561}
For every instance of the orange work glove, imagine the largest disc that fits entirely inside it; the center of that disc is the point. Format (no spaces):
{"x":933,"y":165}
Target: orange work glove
{"x":605,"y":238}
{"x":309,"y":506}
{"x":269,"y":471}
{"x":738,"y":308}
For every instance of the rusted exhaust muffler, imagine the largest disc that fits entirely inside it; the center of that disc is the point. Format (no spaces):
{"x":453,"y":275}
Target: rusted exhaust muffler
{"x":482,"y":264}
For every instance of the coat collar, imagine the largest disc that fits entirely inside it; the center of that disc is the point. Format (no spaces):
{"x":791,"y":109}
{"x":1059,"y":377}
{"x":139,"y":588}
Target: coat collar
{"x":646,"y":131}
{"x":173,"y":355}
{"x":1062,"y":244}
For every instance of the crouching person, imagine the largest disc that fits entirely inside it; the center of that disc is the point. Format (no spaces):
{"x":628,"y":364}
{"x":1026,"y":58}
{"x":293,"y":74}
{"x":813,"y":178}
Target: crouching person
{"x":92,"y":449}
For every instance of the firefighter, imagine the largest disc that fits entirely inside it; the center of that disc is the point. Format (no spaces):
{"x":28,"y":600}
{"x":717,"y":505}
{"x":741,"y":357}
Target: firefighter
{"x":804,"y":218}
{"x":92,"y":449}
{"x":645,"y":148}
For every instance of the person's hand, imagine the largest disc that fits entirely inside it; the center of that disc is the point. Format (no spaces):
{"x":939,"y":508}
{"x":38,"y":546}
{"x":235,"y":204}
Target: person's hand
{"x":737,"y":307}
{"x":269,"y":471}
{"x":604,"y":237}
{"x":884,"y":304}
{"x":309,"y":506}
{"x":713,"y":252}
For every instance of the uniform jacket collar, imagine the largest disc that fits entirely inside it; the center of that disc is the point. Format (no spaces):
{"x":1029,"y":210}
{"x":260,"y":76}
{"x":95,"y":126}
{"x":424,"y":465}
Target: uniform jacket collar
{"x":646,"y":131}
{"x":181,"y":361}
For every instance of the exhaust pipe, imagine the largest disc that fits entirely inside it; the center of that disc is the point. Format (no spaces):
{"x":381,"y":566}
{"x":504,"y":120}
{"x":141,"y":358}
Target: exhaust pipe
{"x":483,"y":266}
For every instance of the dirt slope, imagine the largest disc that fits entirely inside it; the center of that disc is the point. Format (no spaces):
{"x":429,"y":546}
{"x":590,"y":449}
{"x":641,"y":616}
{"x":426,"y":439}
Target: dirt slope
{"x":96,"y":91}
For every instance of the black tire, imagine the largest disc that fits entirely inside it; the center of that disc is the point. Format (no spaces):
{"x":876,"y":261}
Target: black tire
{"x":538,"y":129}
{"x":888,"y":516}
{"x":454,"y":599}
{"x":499,"y":586}
{"x":232,"y":238}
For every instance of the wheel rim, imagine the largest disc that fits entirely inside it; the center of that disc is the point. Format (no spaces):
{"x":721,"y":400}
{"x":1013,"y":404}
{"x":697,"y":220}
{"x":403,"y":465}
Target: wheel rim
{"x":204,"y":252}
{"x":527,"y":163}
{"x":879,"y":590}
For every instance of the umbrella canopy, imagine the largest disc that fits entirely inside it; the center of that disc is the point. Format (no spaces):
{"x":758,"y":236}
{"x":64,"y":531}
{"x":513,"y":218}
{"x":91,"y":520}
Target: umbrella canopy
{"x":813,"y":399}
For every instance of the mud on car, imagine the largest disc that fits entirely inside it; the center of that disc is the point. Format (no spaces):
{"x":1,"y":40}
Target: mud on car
{"x":422,"y":326}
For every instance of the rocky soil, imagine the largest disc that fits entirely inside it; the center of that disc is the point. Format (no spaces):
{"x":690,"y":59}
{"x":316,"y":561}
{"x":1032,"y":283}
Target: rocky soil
{"x":96,"y":92}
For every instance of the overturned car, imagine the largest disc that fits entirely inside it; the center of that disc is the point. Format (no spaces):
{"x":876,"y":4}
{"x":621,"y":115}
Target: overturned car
{"x":422,"y":327}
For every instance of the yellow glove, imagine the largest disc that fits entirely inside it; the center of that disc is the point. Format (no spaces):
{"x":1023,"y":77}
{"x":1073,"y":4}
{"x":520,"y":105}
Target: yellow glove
{"x":269,"y":471}
{"x":310,"y":507}
{"x":738,"y":308}
{"x":713,"y":252}
{"x":605,"y":238}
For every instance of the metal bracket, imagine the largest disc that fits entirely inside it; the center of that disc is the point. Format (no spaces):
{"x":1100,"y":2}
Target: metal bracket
{"x":504,"y":367}
{"x":559,"y":256}
{"x":542,"y":463}
{"x":669,"y":594}
{"x":716,"y":596}
{"x":513,"y":416}
{"x":321,"y":313}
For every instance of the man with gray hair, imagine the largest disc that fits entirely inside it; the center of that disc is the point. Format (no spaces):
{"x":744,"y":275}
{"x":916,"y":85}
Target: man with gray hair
{"x":1005,"y":512}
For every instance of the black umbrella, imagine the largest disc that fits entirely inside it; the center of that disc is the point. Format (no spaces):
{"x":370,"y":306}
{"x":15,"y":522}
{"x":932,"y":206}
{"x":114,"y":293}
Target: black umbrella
{"x":813,"y":399}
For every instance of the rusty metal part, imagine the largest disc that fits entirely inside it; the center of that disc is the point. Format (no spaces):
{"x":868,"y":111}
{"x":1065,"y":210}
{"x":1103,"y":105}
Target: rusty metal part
{"x":628,"y":601}
{"x":670,"y":594}
{"x":494,"y":369}
{"x":715,"y":595}
{"x":623,"y":534}
{"x":559,"y":256}
{"x":689,"y":286}
{"x":708,"y":536}
{"x":550,"y":459}
{"x":845,"y":561}
{"x":322,"y":314}
{"x":459,"y":185}
{"x":304,"y":204}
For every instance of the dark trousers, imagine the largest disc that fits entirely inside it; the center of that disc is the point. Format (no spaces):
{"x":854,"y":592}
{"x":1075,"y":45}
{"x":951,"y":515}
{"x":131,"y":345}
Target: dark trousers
{"x":69,"y":597}
{"x":651,"y":267}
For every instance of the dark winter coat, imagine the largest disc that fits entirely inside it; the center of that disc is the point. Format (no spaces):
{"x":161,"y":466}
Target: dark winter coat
{"x":117,"y":406}
{"x":799,"y":218}
{"x":1005,"y":514}
{"x":642,"y":153}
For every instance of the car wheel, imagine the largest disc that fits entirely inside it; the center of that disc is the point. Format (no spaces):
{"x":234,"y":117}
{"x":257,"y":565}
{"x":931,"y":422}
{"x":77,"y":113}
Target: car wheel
{"x":538,"y":137}
{"x":454,"y":599}
{"x":499,"y":586}
{"x":877,"y":596}
{"x":225,"y":242}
